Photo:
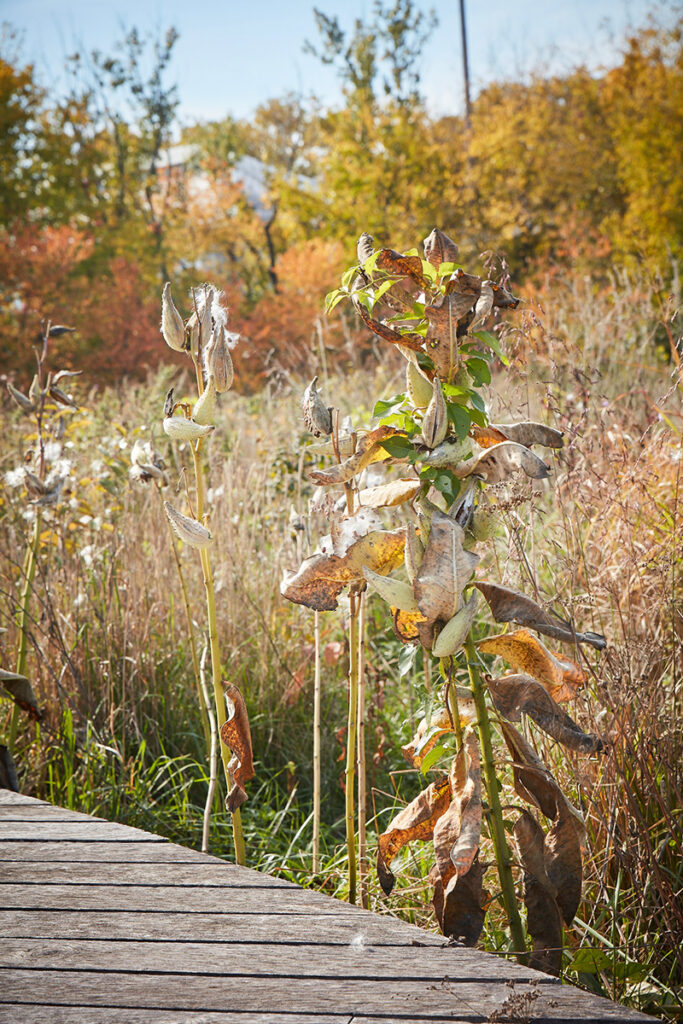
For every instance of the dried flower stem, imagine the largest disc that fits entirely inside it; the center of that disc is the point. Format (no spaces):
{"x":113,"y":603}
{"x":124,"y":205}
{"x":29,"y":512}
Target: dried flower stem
{"x":29,"y":572}
{"x":495,"y":816}
{"x":316,"y":747}
{"x":213,"y":755}
{"x":238,"y":837}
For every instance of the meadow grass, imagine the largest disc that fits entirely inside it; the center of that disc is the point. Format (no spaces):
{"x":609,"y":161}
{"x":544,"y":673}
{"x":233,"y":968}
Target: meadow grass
{"x":122,"y":735}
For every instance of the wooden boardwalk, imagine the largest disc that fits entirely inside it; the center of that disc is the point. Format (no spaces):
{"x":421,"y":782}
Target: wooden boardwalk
{"x":104,"y":924}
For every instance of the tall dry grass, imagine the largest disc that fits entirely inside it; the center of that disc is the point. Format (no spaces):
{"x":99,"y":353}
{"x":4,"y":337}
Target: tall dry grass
{"x":108,"y":640}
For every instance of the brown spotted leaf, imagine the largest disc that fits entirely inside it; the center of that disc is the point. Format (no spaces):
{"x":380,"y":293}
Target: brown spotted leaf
{"x":498,"y":462}
{"x":388,"y":495}
{"x":321,"y":578}
{"x":460,"y":908}
{"x":445,"y":569}
{"x":416,"y":821}
{"x":368,"y":450}
{"x":458,"y":830}
{"x":21,"y":692}
{"x":406,"y":625}
{"x":236,"y":735}
{"x":510,"y":606}
{"x":525,"y":652}
{"x":513,"y":695}
{"x":439,"y":248}
{"x":543,"y":915}
{"x":414,"y":342}
{"x":392,"y":262}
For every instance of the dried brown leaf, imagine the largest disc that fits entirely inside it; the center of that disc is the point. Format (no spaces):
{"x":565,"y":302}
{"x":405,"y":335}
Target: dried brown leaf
{"x":502,"y":297}
{"x":236,"y":735}
{"x":21,"y":692}
{"x":445,"y":569}
{"x":460,"y":908}
{"x":543,"y":915}
{"x":430,"y":731}
{"x":387,"y":495}
{"x":392,"y":262}
{"x":563,"y":861}
{"x":368,"y":450}
{"x":530,"y":432}
{"x":458,"y":830}
{"x":532,"y":780}
{"x":439,"y":248}
{"x":561,"y":676}
{"x":406,"y":625}
{"x":510,"y":606}
{"x":321,"y":578}
{"x":513,"y":695}
{"x":409,"y":340}
{"x":496,"y":463}
{"x":416,"y":821}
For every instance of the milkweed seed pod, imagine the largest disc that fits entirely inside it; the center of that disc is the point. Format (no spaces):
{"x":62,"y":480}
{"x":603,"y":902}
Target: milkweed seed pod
{"x":413,"y":552}
{"x":396,"y":593}
{"x":439,"y":248}
{"x":455,"y":632}
{"x":217,"y":360}
{"x":146,"y":464}
{"x":172,"y":327}
{"x":205,"y":406}
{"x":418,"y":386}
{"x":180,"y":429}
{"x":365,"y":247}
{"x":189,"y":530}
{"x":483,"y":525}
{"x":204,"y":304}
{"x":24,"y":403}
{"x":435,"y":422}
{"x":317,"y":417}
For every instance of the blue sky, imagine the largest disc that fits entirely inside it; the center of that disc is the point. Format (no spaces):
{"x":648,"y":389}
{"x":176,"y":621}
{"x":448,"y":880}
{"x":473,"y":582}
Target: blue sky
{"x":234,"y":54}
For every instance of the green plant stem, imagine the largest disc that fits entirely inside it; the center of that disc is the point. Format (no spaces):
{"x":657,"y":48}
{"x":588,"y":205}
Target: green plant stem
{"x":219,"y":699}
{"x":351,"y":742}
{"x":360,"y":760}
{"x":497,"y":828}
{"x":29,"y":571}
{"x":316,"y":748}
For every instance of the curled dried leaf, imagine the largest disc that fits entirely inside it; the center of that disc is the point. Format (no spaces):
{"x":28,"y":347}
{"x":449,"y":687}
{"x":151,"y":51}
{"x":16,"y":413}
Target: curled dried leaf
{"x":392,"y":262}
{"x":457,"y":832}
{"x":20,"y":690}
{"x":543,"y":915}
{"x":460,"y":908}
{"x":236,"y":735}
{"x":497,"y":463}
{"x":533,"y":781}
{"x":368,"y":450}
{"x":430,"y":731}
{"x":408,"y":340}
{"x":563,"y":860}
{"x":445,"y":569}
{"x":416,"y":821}
{"x":388,"y":495}
{"x":321,"y":578}
{"x":508,"y":605}
{"x":503,"y":297}
{"x":525,"y":652}
{"x":514,"y":695}
{"x":439,"y":248}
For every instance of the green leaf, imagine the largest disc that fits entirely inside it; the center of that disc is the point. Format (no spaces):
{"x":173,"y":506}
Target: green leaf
{"x":425,"y":362}
{"x":348,"y":276}
{"x":411,"y":252}
{"x":448,"y":484}
{"x":371,"y":262}
{"x":429,"y":271}
{"x":398,"y":447}
{"x":406,"y":660}
{"x":333,"y":299}
{"x":478,"y":417}
{"x":477,"y":401}
{"x":383,"y":406}
{"x":455,"y":390}
{"x":384,"y":287}
{"x":460,"y":418}
{"x":447,"y":268}
{"x":492,"y":341}
{"x":480,"y":370}
{"x":434,"y":755}
{"x":589,"y":961}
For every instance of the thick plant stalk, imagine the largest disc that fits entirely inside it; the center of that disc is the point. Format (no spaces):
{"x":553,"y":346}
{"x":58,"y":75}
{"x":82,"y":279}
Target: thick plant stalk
{"x":219,"y":699}
{"x":213,"y":755}
{"x":497,"y":829}
{"x":316,"y":747}
{"x":349,"y":779}
{"x":30,"y":563}
{"x":362,"y":785}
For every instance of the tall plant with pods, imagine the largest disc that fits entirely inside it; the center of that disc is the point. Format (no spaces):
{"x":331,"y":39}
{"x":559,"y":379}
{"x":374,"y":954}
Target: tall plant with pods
{"x":204,"y":338}
{"x":443,"y":459}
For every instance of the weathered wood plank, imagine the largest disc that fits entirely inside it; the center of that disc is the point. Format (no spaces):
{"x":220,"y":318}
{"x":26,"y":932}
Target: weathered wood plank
{"x":244,"y":929}
{"x":265,"y":959}
{"x":7,"y":797}
{"x":88,"y":830}
{"x":470,"y":1001}
{"x":42,"y":812}
{"x":20,"y":1013}
{"x":204,"y":873}
{"x":152,"y":898}
{"x":110,"y":852}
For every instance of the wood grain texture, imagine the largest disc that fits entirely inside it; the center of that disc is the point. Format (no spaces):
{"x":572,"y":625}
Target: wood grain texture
{"x":104,"y":924}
